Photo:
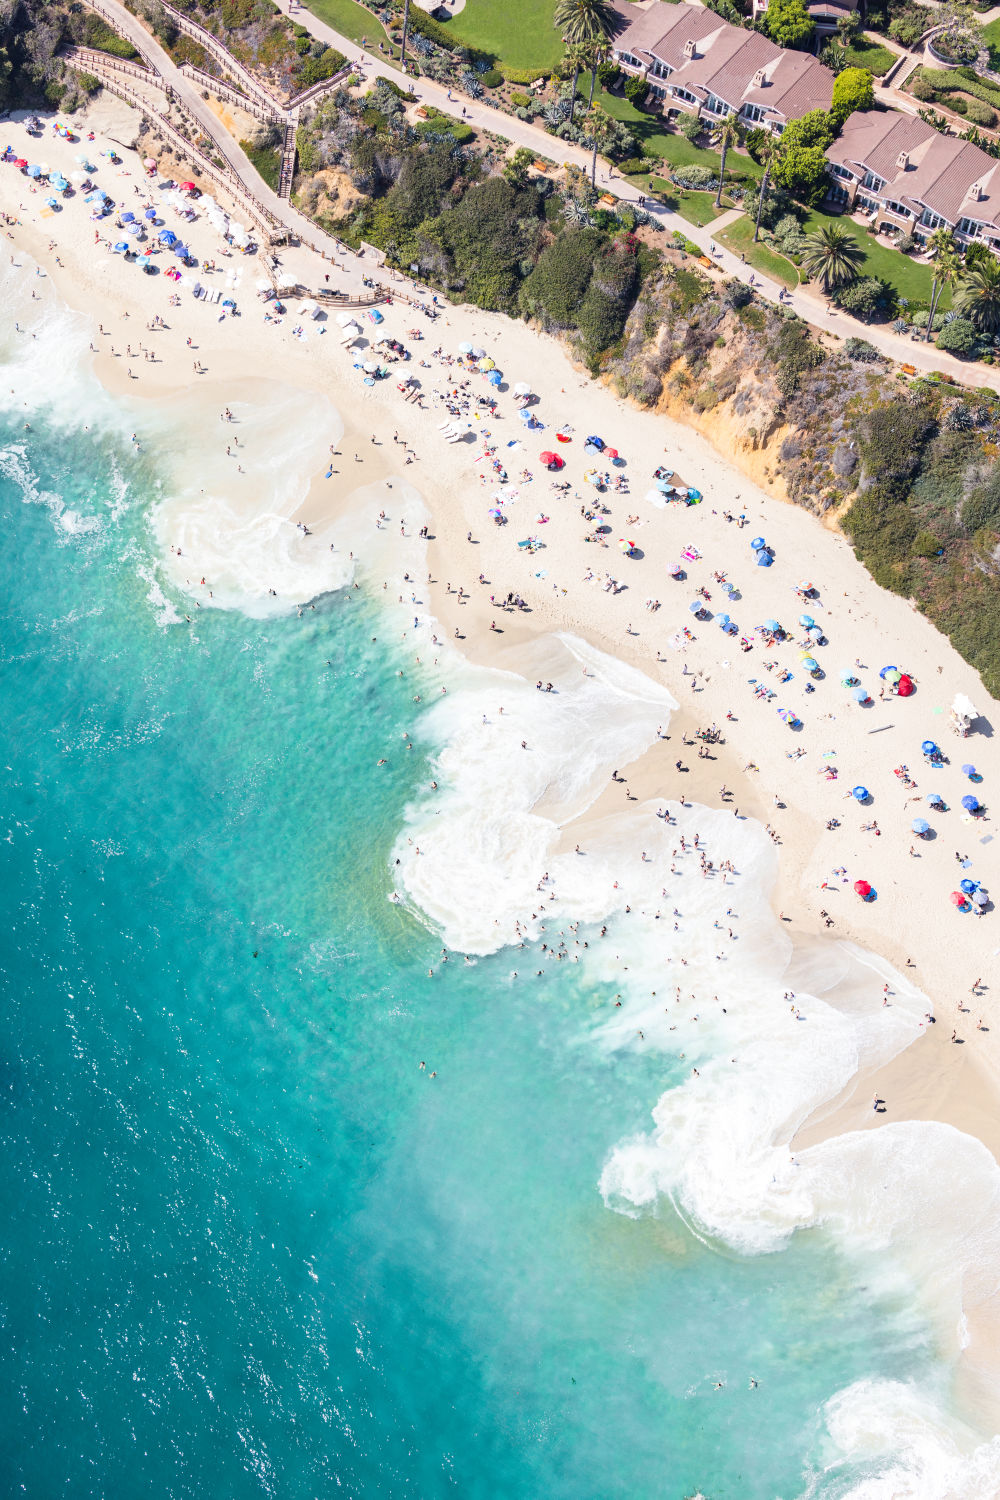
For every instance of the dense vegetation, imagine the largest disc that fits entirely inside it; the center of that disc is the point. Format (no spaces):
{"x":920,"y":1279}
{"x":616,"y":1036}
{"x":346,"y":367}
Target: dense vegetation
{"x":482,"y":229}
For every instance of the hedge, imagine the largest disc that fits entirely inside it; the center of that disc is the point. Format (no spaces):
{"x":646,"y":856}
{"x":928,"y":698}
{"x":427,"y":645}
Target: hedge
{"x":522,"y":75}
{"x":931,"y":83}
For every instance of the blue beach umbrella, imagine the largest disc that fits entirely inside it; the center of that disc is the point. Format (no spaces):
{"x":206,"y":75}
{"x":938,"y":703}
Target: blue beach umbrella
{"x":928,"y":747}
{"x":128,"y":218}
{"x":34,"y":170}
{"x":764,"y":558}
{"x":525,"y":414}
{"x":495,"y":378}
{"x":860,"y":695}
{"x":920,"y":825}
{"x":166,"y":237}
{"x":150,"y":214}
{"x":757,"y":543}
{"x":772,"y":626}
{"x":860,"y":793}
{"x":52,"y":202}
{"x":935,"y":799}
{"x":967,"y":887}
{"x":696,"y":606}
{"x":807,"y":621}
{"x":179,"y":250}
{"x":886,"y":670}
{"x":121,"y":246}
{"x":135,"y":230}
{"x":815,"y":633}
{"x":722,"y":621}
{"x":970,"y":803}
{"x":968,"y":770}
{"x":810,"y":663}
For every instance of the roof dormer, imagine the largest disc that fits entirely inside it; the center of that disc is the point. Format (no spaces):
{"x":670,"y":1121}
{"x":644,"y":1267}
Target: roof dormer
{"x":975,"y":192}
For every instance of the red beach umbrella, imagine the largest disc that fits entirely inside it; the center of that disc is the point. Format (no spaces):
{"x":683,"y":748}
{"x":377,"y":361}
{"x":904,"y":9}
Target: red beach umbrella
{"x":188,"y":187}
{"x":862,"y":888}
{"x":904,"y":687}
{"x":957,"y":899}
{"x":547,"y":458}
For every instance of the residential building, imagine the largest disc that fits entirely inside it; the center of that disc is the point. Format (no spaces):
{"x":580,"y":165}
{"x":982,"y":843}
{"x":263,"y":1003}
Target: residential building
{"x":698,"y":64}
{"x":909,"y":178}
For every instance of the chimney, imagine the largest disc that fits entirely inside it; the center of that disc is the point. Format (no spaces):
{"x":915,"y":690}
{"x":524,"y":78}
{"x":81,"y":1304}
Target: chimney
{"x":758,"y":79}
{"x":689,"y":48}
{"x":903,"y":161}
{"x":976,"y":191}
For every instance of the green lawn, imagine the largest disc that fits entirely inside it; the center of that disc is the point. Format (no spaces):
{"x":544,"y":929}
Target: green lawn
{"x":866,"y":54}
{"x":517,"y":32}
{"x":350,"y":19}
{"x":656,"y":140}
{"x":739,"y":238}
{"x":697,"y":208}
{"x":911,"y":278}
{"x":991,"y":37}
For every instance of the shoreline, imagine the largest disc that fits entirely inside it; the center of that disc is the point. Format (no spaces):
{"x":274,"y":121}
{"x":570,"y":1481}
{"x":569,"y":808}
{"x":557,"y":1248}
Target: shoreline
{"x":959,"y":1086}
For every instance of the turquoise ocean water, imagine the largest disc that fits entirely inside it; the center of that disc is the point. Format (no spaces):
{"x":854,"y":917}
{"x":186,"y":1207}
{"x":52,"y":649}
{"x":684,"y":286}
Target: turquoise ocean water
{"x":250,"y":1247}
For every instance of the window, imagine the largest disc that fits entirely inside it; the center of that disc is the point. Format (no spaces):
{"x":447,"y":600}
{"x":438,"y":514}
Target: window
{"x":841,"y":172}
{"x":629,"y":60}
{"x":752,"y":112}
{"x":897,"y":208}
{"x":716,"y":106}
{"x":970,"y":227}
{"x":680,"y":93}
{"x":661,"y":69}
{"x":930,"y":220}
{"x":658,"y":91}
{"x":837,"y":194}
{"x":871,"y":181}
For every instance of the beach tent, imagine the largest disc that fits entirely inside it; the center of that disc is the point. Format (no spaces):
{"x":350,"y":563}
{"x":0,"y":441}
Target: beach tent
{"x":764,"y":558}
{"x":596,"y":442}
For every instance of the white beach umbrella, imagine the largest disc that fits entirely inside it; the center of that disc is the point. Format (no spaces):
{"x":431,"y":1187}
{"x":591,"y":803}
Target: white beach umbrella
{"x":521,"y":389}
{"x":345,"y":317}
{"x":479,"y":353}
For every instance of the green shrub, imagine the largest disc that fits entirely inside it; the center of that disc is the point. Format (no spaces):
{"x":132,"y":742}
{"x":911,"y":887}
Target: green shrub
{"x":521,"y":100}
{"x":690,"y":127}
{"x":865,"y":297}
{"x":556,"y":287}
{"x":520,"y":75}
{"x":958,"y":337}
{"x":491,"y":79}
{"x":99,"y":35}
{"x":925,"y":544}
{"x":862,"y":351}
{"x":636,"y":90}
{"x":979,"y":113}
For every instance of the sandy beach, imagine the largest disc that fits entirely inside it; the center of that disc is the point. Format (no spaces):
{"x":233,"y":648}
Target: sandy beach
{"x":351,"y":447}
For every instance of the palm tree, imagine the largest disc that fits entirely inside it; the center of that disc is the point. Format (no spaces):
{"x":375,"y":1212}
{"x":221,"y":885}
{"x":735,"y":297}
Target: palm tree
{"x":598,"y":132}
{"x":597,"y":52}
{"x":583,"y":23}
{"x":978,"y":295}
{"x":402,"y":45}
{"x":941,"y":246}
{"x":728,"y":132}
{"x":832,"y":255}
{"x":769,"y":152}
{"x":577,"y":54}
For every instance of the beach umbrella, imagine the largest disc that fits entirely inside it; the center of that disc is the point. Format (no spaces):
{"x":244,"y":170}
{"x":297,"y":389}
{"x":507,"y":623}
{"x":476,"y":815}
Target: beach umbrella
{"x":547,"y":457}
{"x":757,"y":543}
{"x":772,"y":626}
{"x":611,"y":453}
{"x":128,"y":218}
{"x":696,"y":606}
{"x":967,"y":886}
{"x":970,"y":803}
{"x":921,"y":826}
{"x":167,"y":237}
{"x":848,"y":676}
{"x":810,"y":664}
{"x":626,"y":546}
{"x":968,"y":770}
{"x":804,"y":588}
{"x":935,"y":798}
{"x":598,"y":442}
{"x":82,"y":157}
{"x":764,"y":558}
{"x":815,"y":633}
{"x":675,"y":570}
{"x":886,"y":670}
{"x":21,"y":163}
{"x":148,"y":162}
{"x":860,"y":695}
{"x":121,"y":245}
{"x":722,"y":621}
{"x":477,"y":353}
{"x":904,"y":687}
{"x":179,"y":250}
{"x":522,"y":389}
{"x":465,"y":348}
{"x":52,"y":202}
{"x":487,"y":364}
{"x":860,"y":793}
{"x":44,"y":168}
{"x":34,"y":170}
{"x":958,"y":899}
{"x":590,"y":450}
{"x":862,"y":888}
{"x":187,"y":187}
{"x":807,"y":621}
{"x":150,"y":214}
{"x":664,"y":486}
{"x":134,"y":230}
{"x":929,"y":748}
{"x":495,"y":378}
{"x":525,"y":415}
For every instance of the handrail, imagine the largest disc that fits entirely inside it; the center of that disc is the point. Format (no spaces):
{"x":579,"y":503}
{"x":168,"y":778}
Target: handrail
{"x":222,"y":55}
{"x":119,"y":64}
{"x":227,"y":91}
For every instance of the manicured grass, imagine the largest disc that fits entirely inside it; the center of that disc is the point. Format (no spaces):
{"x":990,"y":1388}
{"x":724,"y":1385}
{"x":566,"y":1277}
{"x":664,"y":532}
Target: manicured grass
{"x":350,"y":19}
{"x":911,"y":278}
{"x":870,"y":55}
{"x":656,"y":140}
{"x":739,"y":238}
{"x":697,"y":208}
{"x":517,"y":32}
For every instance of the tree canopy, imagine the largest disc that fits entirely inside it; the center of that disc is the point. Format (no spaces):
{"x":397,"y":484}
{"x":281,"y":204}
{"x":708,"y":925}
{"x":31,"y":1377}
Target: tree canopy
{"x":801,"y":165}
{"x":788,"y":23}
{"x":852,"y":89}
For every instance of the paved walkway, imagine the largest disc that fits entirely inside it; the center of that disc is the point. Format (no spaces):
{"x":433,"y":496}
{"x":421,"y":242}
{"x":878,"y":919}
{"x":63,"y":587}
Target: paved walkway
{"x":807,"y":304}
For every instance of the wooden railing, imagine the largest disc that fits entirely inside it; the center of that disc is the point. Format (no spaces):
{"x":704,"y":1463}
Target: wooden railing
{"x":203,"y":80}
{"x":223,"y":57}
{"x":118,"y":64}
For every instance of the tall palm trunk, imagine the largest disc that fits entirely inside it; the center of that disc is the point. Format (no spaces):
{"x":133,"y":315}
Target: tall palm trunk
{"x":593,"y":82}
{"x":406,"y":24}
{"x":760,"y":200}
{"x":937,"y":287}
{"x":722,"y":173}
{"x":593,"y":165}
{"x":572,"y":97}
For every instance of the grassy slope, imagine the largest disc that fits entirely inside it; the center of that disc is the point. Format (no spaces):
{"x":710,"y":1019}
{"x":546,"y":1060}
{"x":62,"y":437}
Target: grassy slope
{"x":739,"y":238}
{"x":656,"y":140}
{"x":350,"y":19}
{"x":865,"y":54}
{"x":910,"y":278}
{"x":518,"y":32}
